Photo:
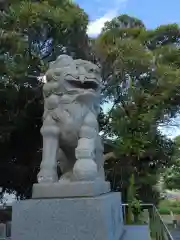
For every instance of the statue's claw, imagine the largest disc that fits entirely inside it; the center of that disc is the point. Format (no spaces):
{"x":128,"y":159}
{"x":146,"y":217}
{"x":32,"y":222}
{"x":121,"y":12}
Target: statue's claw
{"x":47,"y":177}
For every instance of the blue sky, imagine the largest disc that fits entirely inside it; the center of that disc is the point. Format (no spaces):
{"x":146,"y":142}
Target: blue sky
{"x":152,"y":12}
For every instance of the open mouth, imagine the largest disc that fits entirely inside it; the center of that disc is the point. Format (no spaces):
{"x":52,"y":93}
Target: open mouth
{"x":91,"y":85}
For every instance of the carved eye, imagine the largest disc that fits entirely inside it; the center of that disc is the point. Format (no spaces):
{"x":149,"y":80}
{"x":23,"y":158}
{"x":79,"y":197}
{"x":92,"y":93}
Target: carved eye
{"x":91,"y":70}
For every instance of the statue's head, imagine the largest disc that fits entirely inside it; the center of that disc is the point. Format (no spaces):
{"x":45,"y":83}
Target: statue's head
{"x":75,"y":77}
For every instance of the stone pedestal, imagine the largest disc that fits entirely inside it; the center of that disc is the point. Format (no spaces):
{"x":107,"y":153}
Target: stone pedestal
{"x":73,"y":189}
{"x":139,"y":232}
{"x":85,"y":218}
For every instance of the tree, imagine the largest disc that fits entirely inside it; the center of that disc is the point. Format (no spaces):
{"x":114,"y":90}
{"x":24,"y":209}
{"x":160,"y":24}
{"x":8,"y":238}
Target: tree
{"x":171,"y":175}
{"x":142,"y":78}
{"x":123,"y":22}
{"x":32,"y":33}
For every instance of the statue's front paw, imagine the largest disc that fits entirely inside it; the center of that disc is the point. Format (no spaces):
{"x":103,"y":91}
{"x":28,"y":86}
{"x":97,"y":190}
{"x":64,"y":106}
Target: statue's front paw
{"x":47,"y":177}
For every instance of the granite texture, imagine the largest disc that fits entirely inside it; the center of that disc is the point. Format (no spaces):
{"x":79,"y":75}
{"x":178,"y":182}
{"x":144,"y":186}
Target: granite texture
{"x":73,"y":189}
{"x":137,"y":232}
{"x":91,"y":218}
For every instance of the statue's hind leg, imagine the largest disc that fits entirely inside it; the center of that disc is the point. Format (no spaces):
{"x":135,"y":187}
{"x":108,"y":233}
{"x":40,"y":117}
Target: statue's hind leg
{"x":48,"y":169}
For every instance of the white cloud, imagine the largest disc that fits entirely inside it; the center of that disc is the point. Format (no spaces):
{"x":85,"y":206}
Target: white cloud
{"x":95,"y":27}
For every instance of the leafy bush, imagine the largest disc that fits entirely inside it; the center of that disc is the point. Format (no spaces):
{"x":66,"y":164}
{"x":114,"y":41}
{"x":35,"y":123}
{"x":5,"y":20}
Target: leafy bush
{"x":166,"y":206}
{"x":167,"y":211}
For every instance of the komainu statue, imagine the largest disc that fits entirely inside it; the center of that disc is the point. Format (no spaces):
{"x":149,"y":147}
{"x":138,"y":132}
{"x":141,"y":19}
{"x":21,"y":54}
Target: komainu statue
{"x":70,"y":129}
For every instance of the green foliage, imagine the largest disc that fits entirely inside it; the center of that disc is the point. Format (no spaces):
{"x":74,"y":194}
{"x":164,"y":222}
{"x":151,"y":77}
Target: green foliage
{"x":171,"y":175}
{"x":32,"y":33}
{"x":130,"y":199}
{"x":134,"y":208}
{"x":123,"y":21}
{"x":168,"y":206}
{"x":142,"y":82}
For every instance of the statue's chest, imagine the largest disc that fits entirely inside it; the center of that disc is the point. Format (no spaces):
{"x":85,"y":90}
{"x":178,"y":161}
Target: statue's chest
{"x":76,"y":111}
{"x":70,"y":129}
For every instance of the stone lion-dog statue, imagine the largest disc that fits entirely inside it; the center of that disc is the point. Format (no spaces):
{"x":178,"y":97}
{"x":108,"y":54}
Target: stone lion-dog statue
{"x":70,"y":128}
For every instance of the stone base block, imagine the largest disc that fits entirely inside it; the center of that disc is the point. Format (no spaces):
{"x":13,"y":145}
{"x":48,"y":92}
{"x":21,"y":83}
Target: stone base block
{"x":73,"y":189}
{"x":90,"y":218}
{"x":139,"y":232}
